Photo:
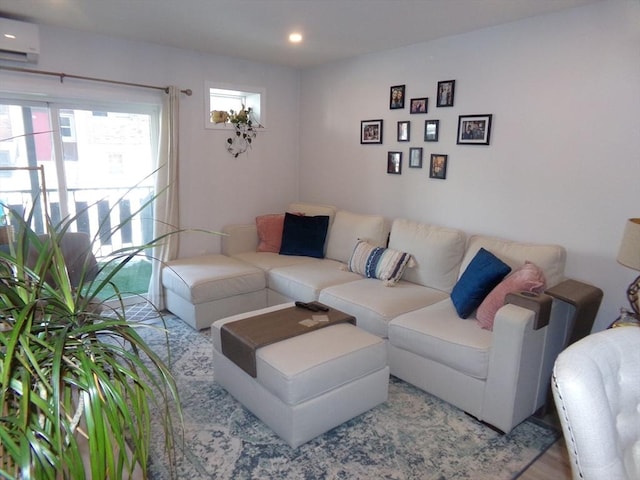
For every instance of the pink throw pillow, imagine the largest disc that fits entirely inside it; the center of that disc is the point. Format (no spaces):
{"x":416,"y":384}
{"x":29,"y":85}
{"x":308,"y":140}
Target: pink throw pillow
{"x":528,"y":277}
{"x":270,"y":232}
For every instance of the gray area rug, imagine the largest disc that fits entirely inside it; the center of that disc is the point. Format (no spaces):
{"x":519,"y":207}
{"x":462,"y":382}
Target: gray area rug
{"x":412,"y":436}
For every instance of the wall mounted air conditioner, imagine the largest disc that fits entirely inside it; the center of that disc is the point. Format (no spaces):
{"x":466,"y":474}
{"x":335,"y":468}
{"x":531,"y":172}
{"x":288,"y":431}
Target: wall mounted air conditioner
{"x":19,"y":41}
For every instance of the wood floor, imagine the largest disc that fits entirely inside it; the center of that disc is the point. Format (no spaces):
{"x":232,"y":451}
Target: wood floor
{"x":554,"y":463}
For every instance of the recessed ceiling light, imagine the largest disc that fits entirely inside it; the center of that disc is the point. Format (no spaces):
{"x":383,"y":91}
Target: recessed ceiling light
{"x":295,"y":37}
{"x":10,"y":35}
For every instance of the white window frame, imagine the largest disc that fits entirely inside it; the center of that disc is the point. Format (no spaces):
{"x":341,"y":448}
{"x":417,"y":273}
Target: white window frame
{"x":72,"y":127}
{"x":252,"y":97}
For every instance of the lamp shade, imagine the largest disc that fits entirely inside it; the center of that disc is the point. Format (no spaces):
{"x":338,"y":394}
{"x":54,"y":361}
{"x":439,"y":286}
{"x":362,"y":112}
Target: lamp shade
{"x":629,"y":253}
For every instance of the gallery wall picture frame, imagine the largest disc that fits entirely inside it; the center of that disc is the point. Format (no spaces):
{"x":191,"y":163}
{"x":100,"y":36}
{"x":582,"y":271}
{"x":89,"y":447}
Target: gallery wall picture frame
{"x":431,"y":130}
{"x":474,"y":129}
{"x":404,"y":131}
{"x":396,"y":97}
{"x":415,"y":157}
{"x":371,"y":131}
{"x":394,"y":163}
{"x":438,"y":166}
{"x":419,"y":105}
{"x":446,"y":93}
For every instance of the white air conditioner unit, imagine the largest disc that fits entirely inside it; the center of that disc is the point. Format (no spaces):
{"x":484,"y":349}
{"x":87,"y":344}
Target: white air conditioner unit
{"x":19,"y":41}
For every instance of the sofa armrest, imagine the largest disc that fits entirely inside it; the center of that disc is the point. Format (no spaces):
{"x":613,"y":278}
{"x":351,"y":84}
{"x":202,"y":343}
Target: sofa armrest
{"x":585,"y":300}
{"x":515,"y":371}
{"x":239,"y":239}
{"x":540,"y":304}
{"x":521,"y":362}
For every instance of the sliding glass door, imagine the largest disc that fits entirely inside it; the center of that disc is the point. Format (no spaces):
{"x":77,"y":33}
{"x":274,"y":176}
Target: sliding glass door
{"x":97,"y":163}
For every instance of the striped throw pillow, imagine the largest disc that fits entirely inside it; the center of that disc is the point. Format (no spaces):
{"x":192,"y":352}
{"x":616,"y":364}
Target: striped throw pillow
{"x":382,"y":263}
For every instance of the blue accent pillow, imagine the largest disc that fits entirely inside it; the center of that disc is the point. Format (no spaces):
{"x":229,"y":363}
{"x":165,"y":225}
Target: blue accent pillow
{"x":482,"y":274}
{"x":303,"y":235}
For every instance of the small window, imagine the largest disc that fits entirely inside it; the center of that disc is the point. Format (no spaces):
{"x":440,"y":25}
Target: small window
{"x":226,"y":97}
{"x":67,"y":126}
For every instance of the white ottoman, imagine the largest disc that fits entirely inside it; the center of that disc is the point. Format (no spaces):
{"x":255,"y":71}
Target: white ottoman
{"x":206,"y":288}
{"x":308,"y":384}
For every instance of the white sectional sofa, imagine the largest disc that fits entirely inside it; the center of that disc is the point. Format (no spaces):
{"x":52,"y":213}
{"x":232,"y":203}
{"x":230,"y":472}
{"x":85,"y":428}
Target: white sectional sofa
{"x":500,"y":376}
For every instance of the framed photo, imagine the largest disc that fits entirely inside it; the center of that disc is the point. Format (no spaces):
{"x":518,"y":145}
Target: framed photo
{"x":419,"y":105}
{"x":446,"y":92}
{"x":474,"y":129}
{"x":431,"y":128}
{"x":370,"y":131}
{"x":394,"y":163}
{"x":438,"y":166}
{"x":404,"y":131}
{"x":396,"y":97}
{"x":415,"y":157}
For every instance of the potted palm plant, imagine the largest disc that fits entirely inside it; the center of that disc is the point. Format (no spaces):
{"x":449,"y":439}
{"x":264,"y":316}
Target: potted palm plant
{"x":75,"y":376}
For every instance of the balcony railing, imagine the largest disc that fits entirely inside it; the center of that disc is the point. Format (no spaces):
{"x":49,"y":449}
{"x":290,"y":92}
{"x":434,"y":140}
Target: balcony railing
{"x":96,"y":211}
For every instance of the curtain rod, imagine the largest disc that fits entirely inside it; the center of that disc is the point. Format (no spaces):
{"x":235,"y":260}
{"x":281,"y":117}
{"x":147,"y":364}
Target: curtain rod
{"x":62,"y":76}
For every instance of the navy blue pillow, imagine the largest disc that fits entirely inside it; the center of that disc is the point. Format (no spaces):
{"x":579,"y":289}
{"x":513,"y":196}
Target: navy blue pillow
{"x":303,"y":235}
{"x":482,"y":274}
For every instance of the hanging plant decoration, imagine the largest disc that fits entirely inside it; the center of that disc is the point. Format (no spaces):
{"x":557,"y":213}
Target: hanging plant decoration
{"x":244,"y":129}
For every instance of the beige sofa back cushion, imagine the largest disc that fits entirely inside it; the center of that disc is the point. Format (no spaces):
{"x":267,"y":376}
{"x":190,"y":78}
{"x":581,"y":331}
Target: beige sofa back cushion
{"x":550,"y":258}
{"x":312,"y":210}
{"x":437,"y":251}
{"x":348,"y":228}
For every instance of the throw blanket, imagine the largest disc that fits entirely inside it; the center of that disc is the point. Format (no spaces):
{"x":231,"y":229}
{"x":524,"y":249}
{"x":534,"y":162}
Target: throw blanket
{"x":240,"y":339}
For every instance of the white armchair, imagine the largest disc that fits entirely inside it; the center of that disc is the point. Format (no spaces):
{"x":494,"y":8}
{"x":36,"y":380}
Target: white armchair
{"x":596,"y":388}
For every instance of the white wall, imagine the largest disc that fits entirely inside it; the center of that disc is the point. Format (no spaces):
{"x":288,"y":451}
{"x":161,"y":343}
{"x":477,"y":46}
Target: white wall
{"x":563,"y":164}
{"x":216,"y":189}
{"x":564,"y":161}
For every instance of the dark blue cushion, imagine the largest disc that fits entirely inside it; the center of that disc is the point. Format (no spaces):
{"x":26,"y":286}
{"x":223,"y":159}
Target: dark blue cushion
{"x":303,"y":235}
{"x":482,"y":274}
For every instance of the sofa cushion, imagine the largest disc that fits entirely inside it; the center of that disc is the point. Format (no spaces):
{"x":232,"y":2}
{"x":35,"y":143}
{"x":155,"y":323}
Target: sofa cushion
{"x":375,"y":305}
{"x":482,"y":274}
{"x":302,"y":235}
{"x":437,"y":333}
{"x":377,"y":262}
{"x":305,"y":281}
{"x":270,"y":232}
{"x":528,"y":277}
{"x":437,"y":251}
{"x":347,"y":228}
{"x":323,"y":359}
{"x":346,"y":353}
{"x":239,"y":238}
{"x":211,"y":277}
{"x":312,"y":209}
{"x":267,"y":260}
{"x":550,"y":258}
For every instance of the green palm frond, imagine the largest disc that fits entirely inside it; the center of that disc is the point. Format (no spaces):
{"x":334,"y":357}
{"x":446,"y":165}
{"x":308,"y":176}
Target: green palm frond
{"x":72,"y":372}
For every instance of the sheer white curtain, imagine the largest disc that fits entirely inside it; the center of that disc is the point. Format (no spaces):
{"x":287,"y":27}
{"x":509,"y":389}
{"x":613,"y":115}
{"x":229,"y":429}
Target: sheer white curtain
{"x":166,"y":217}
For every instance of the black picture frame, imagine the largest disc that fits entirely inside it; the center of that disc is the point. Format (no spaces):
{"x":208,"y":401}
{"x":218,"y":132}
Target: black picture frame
{"x":431,"y":130}
{"x":371,"y":132}
{"x":419,"y":105}
{"x":474,"y":129}
{"x":396,"y":97}
{"x":438,"y":166}
{"x":394,"y":163}
{"x":415,"y":157}
{"x":446,"y":93}
{"x":404,"y":131}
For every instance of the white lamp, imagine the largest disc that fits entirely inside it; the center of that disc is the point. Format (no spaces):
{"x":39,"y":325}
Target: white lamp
{"x":629,"y":256}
